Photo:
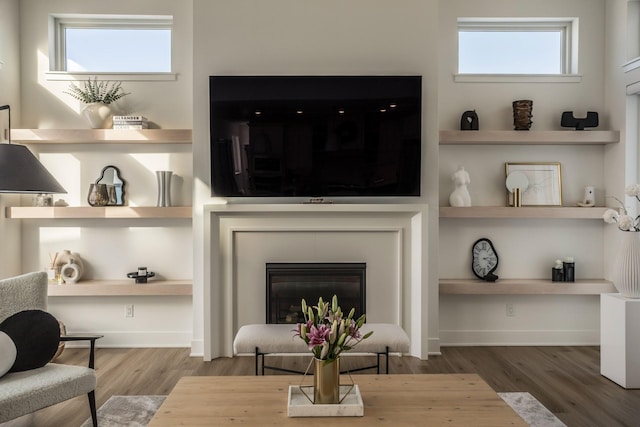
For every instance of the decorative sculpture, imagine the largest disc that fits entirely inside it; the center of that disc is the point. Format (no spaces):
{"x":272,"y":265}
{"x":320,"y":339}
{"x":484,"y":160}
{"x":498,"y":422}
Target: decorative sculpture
{"x":469,"y":121}
{"x":522,"y":113}
{"x":568,"y":120}
{"x":589,"y":197}
{"x":460,"y":196}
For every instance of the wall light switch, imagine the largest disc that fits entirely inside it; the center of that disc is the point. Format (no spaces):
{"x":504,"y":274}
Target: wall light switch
{"x":511,"y":310}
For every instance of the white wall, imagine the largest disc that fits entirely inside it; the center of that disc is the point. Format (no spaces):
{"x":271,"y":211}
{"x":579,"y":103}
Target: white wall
{"x":311,"y":37}
{"x":527,"y":248}
{"x":616,"y":54}
{"x":9,"y":94}
{"x":167,"y":103}
{"x":337,"y":37}
{"x":110,"y":249}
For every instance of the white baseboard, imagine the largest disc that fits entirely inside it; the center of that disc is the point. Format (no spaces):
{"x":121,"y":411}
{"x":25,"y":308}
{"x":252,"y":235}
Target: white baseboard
{"x":434,"y":346}
{"x":519,"y":338}
{"x":197,"y":348}
{"x":143,"y":339}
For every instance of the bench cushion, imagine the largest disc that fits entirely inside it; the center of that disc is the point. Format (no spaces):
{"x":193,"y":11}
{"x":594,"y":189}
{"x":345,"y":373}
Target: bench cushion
{"x":280,"y":338}
{"x":24,"y":392}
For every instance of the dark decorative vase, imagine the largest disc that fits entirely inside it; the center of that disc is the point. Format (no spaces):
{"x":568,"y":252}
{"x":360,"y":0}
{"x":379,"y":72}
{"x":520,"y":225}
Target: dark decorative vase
{"x":98,"y":195}
{"x":522,"y":113}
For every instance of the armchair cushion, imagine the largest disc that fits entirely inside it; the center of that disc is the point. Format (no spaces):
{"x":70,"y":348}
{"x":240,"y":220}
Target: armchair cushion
{"x":35,"y":334}
{"x":28,"y":391}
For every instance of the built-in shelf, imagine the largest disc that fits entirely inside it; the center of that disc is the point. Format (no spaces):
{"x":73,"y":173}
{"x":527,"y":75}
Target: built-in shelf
{"x":106,"y":212}
{"x":525,"y":287}
{"x":122,"y":288}
{"x":513,"y":137}
{"x":101,"y":136}
{"x":522,"y":212}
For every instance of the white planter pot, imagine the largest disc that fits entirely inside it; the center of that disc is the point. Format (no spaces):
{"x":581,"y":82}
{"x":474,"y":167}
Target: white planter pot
{"x":626,"y":273}
{"x":98,"y":115}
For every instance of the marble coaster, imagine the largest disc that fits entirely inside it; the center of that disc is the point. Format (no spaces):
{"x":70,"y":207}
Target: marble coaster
{"x":299,"y":406}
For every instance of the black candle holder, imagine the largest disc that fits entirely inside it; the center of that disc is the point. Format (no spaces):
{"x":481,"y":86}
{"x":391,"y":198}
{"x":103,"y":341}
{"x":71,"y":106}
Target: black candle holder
{"x":140,"y":278}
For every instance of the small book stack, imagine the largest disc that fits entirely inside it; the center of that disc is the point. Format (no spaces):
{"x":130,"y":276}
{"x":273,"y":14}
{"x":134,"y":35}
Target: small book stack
{"x":130,"y":122}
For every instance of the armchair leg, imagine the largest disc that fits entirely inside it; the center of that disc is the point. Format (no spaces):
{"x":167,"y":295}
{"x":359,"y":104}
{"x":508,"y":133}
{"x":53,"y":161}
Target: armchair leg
{"x":92,"y":407}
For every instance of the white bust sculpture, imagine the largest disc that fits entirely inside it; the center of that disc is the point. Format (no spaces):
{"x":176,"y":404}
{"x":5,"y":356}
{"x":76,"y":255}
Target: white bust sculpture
{"x":460,"y":196}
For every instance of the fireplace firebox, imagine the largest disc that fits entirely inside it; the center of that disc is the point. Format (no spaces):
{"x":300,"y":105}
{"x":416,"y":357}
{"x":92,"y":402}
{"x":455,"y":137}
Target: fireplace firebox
{"x":289,"y":283}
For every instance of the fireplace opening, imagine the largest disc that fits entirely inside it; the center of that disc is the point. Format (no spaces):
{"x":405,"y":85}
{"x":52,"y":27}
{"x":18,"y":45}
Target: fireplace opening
{"x":289,"y":283}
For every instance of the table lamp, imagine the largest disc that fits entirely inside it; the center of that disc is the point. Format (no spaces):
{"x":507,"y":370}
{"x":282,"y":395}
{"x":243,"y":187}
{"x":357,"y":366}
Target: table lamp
{"x":21,"y":171}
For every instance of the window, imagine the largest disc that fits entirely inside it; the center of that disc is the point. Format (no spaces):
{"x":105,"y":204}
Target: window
{"x":511,"y":46}
{"x":110,"y":44}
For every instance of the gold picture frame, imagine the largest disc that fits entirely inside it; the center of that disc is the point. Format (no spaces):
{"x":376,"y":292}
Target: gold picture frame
{"x":545,"y":183}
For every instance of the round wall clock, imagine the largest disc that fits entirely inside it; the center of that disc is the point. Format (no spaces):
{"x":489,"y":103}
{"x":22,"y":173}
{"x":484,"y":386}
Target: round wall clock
{"x":484,"y":260}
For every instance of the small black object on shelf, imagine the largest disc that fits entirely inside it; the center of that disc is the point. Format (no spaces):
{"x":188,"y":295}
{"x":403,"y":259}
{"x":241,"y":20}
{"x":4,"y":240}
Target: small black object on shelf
{"x":141,"y":276}
{"x":569,"y":121}
{"x":469,"y":121}
{"x":490,"y":277}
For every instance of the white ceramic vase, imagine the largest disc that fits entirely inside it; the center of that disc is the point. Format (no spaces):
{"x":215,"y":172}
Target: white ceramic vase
{"x":626,"y":273}
{"x":70,"y":266}
{"x":98,"y":115}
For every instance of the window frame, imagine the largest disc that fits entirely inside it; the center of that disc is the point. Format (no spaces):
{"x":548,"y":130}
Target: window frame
{"x":57,"y":44}
{"x":568,"y":28}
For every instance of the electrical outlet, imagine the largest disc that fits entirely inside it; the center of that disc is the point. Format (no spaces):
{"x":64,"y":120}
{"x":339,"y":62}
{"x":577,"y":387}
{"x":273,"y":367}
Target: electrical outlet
{"x":128,"y":310}
{"x":511,"y":310}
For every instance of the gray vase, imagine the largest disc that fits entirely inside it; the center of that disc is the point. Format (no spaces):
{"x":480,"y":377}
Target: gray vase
{"x":164,"y":188}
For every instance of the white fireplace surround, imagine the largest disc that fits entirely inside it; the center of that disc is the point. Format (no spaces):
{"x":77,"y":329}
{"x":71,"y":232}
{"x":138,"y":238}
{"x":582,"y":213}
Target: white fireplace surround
{"x":390,"y":238}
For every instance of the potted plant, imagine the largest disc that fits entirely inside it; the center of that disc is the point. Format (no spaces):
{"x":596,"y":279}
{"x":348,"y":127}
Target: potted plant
{"x":97,"y":95}
{"x":328,"y":333}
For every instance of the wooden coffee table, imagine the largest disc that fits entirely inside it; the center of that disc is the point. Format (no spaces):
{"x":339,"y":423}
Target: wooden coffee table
{"x":391,"y":400}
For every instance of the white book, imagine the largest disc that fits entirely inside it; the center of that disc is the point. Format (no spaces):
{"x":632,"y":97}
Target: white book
{"x":132,"y":117}
{"x":130,"y":127}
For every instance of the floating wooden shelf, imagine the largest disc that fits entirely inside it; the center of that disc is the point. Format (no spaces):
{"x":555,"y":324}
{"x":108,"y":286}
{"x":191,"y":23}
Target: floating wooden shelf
{"x":106,"y":212}
{"x":525,"y":287}
{"x":513,"y":137}
{"x":560,"y":212}
{"x":101,"y":136}
{"x":122,"y":288}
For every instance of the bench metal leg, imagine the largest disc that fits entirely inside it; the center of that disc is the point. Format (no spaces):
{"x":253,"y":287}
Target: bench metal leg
{"x":387,"y":357}
{"x":256,"y":361}
{"x":260,"y":355}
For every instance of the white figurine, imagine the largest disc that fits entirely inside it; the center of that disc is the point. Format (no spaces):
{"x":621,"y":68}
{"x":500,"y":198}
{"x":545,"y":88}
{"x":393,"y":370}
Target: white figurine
{"x":589,"y":197}
{"x":460,"y":196}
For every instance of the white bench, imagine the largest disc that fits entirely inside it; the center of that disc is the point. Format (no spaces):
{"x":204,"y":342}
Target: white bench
{"x":278,"y":339}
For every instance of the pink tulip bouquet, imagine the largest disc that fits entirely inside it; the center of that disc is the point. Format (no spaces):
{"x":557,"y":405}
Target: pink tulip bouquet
{"x":327,"y":332}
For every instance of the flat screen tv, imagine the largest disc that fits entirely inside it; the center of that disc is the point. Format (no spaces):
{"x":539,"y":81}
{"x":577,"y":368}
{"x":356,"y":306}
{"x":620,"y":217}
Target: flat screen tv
{"x":315,"y":136}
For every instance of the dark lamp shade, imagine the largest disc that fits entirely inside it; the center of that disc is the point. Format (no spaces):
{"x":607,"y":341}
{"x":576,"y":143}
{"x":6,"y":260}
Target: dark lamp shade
{"x":22,"y":172}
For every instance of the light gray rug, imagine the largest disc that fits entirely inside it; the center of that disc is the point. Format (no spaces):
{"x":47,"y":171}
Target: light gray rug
{"x":127,"y":411}
{"x":137,"y":411}
{"x":532,"y":411}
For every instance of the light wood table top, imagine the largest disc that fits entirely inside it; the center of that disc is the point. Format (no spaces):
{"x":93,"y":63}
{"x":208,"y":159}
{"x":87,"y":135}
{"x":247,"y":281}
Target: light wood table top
{"x":389,"y":400}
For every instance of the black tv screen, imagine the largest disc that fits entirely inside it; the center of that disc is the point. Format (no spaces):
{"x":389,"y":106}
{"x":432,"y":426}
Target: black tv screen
{"x":315,"y":136}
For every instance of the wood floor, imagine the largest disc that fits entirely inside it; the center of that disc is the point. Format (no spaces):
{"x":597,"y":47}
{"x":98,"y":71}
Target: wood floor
{"x":566,"y":380}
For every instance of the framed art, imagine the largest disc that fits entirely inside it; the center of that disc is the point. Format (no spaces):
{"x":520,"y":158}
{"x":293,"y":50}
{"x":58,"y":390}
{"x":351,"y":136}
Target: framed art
{"x":545,"y":183}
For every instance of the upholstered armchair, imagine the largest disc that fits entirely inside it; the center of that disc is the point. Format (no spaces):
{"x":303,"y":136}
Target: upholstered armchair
{"x":29,"y":390}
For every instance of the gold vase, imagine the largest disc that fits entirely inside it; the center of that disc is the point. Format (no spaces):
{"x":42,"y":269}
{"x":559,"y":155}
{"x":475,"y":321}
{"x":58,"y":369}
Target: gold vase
{"x":326,"y":382}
